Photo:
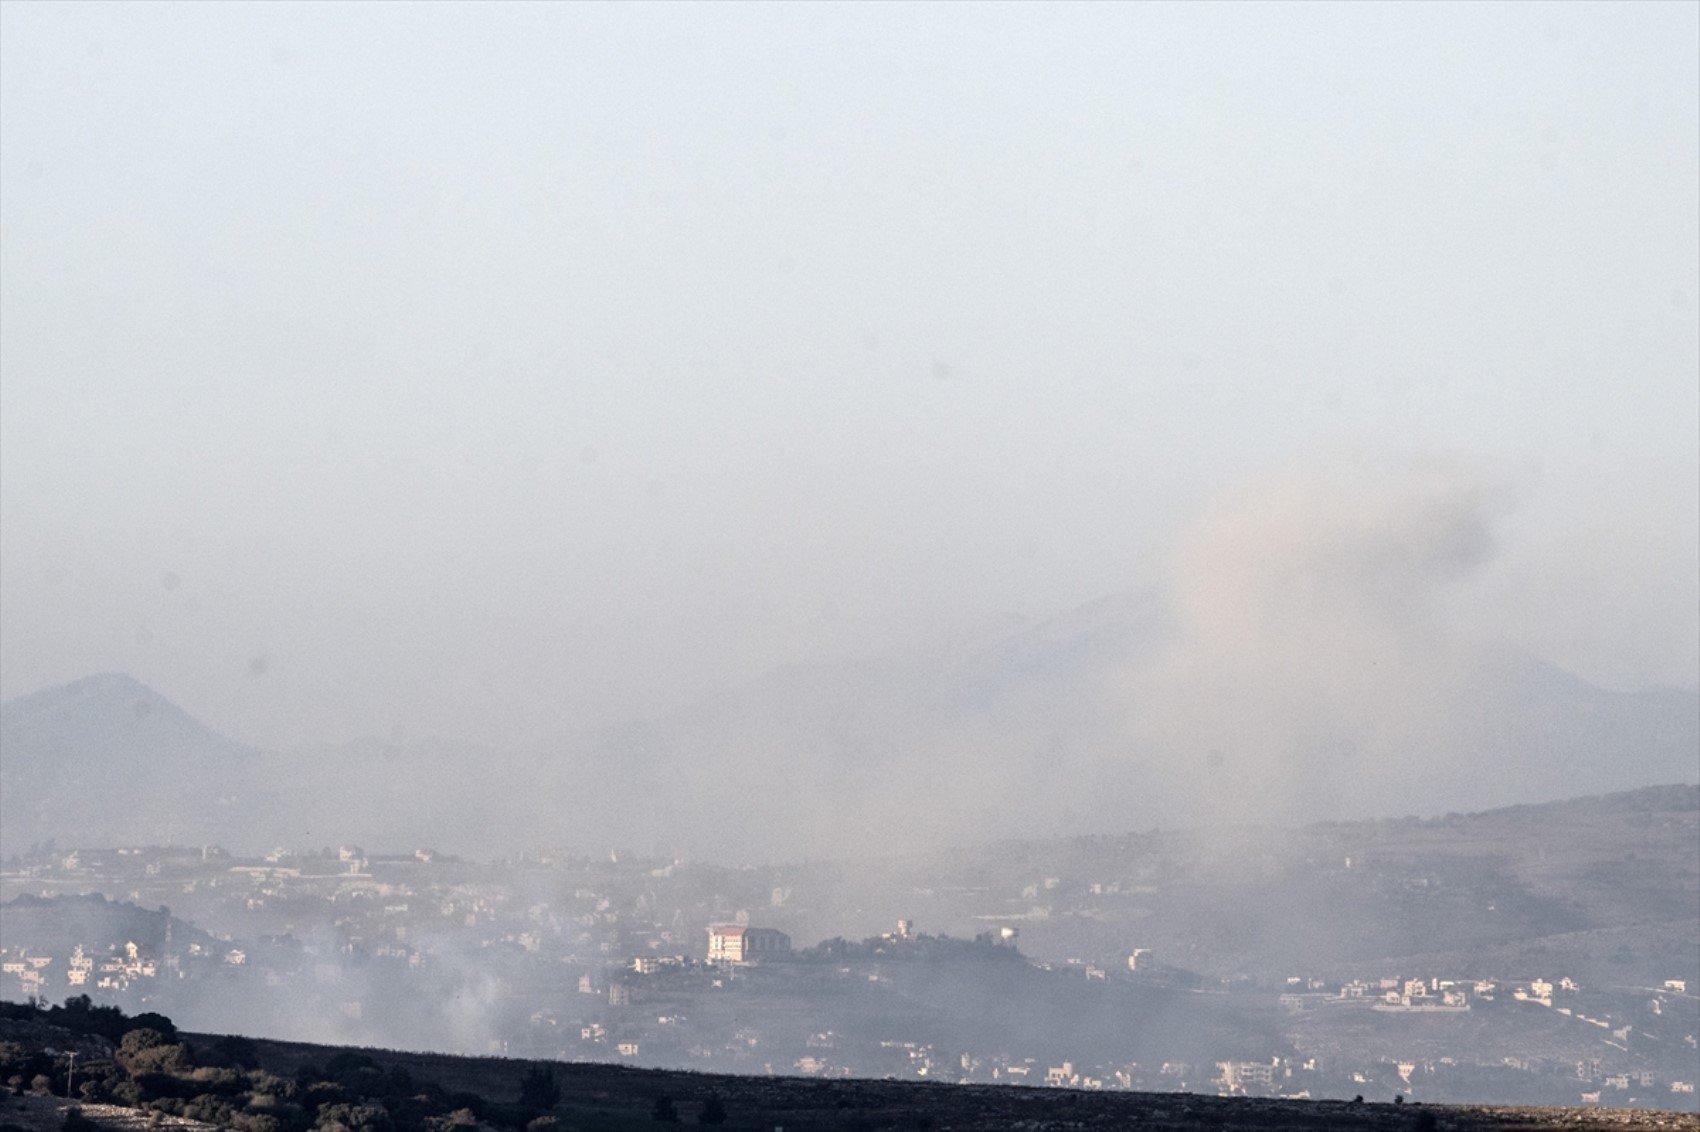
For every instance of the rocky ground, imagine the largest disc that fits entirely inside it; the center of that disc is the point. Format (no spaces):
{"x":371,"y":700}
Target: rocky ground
{"x":47,"y":1114}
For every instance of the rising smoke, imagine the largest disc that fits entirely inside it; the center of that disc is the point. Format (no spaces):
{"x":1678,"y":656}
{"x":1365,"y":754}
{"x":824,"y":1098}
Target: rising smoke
{"x":1313,"y":651}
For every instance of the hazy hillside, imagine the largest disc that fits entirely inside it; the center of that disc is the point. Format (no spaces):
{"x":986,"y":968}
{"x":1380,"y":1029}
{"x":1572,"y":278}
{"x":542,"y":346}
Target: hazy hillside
{"x":1013,"y":730}
{"x":1607,"y":888}
{"x":1044,"y":731}
{"x":57,"y":925}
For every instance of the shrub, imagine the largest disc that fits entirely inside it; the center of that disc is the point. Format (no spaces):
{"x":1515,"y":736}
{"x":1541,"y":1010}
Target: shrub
{"x":225,"y":1082}
{"x":321,"y":1093}
{"x":353,"y":1118}
{"x":270,"y":1084}
{"x":472,"y":1102}
{"x":139,"y":1039}
{"x":409,"y":1114}
{"x":15,"y":1057}
{"x":158,"y":1059}
{"x":159,"y":1085}
{"x":255,"y":1122}
{"x":209,"y":1108}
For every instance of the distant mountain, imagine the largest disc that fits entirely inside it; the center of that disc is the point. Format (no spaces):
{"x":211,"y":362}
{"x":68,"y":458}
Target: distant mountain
{"x":97,"y":719}
{"x":108,"y":760}
{"x":1014,"y":729}
{"x":1037,"y":731}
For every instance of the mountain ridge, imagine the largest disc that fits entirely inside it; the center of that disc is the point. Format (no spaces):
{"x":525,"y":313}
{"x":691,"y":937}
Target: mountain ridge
{"x":1025,"y":727}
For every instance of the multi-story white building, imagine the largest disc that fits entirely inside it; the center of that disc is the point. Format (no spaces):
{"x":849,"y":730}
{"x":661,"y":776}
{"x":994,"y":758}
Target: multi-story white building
{"x":733,"y":943}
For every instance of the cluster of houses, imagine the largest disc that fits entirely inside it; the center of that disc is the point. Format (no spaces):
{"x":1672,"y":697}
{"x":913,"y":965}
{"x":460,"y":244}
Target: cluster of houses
{"x":619,"y":932}
{"x":28,"y":973}
{"x":1443,"y":995}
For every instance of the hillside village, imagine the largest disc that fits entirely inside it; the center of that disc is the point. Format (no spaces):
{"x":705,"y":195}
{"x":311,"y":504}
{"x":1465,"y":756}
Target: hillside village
{"x":667,"y":963}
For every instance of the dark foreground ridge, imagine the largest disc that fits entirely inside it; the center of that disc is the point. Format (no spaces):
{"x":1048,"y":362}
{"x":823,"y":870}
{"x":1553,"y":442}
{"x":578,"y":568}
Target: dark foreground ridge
{"x":595,"y":1096}
{"x":140,"y":1073}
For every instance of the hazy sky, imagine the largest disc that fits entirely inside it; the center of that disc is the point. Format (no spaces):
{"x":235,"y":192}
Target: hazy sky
{"x":495,"y":369}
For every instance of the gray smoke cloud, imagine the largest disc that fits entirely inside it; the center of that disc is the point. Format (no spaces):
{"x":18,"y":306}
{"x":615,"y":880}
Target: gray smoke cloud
{"x":1312,"y":647}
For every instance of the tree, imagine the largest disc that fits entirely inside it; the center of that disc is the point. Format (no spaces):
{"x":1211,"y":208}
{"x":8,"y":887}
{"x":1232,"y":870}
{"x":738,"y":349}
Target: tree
{"x":149,"y":1020}
{"x":135,"y":1041}
{"x":148,"y":1051}
{"x":80,"y":1015}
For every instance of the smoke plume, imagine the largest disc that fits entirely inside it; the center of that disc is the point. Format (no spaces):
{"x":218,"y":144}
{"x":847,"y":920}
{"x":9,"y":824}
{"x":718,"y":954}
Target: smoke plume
{"x":1312,"y":649}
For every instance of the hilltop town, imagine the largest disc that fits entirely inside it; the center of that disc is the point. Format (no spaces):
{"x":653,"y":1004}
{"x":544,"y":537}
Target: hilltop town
{"x":668,"y":963}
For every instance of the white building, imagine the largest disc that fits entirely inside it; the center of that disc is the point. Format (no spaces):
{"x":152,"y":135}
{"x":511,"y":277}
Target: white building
{"x":733,"y":943}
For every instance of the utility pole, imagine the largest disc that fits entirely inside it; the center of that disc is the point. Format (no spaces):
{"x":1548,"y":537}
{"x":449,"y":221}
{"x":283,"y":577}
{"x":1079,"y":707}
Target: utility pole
{"x":71,"y":1075}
